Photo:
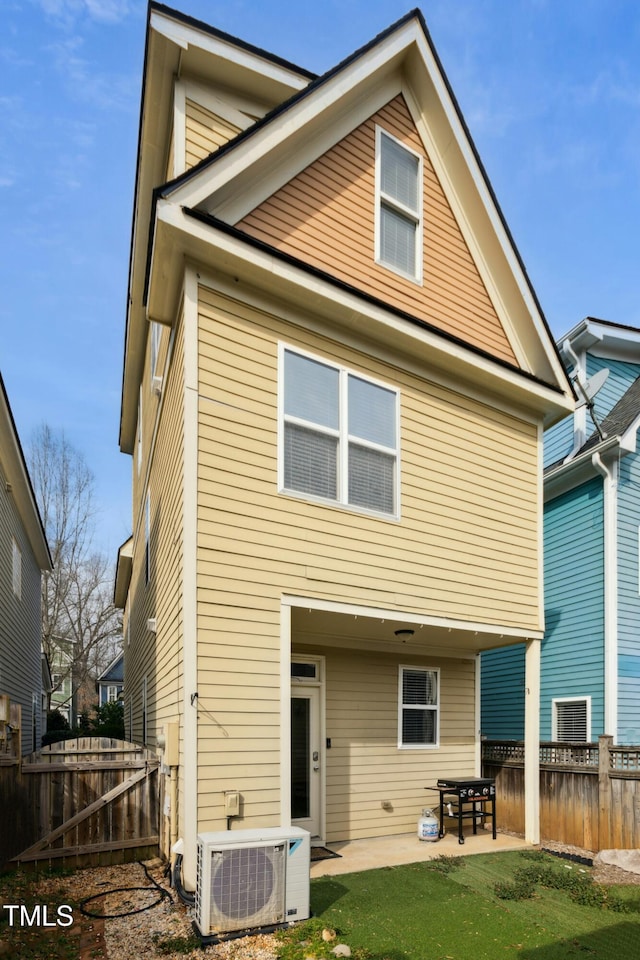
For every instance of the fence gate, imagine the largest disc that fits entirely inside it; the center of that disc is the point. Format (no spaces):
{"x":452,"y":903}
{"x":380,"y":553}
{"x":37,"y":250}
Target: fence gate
{"x":93,"y":801}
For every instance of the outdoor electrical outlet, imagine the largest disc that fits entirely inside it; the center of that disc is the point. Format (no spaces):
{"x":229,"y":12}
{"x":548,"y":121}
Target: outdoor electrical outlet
{"x":232,"y":803}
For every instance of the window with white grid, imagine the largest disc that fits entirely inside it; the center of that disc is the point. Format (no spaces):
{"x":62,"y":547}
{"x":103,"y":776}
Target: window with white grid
{"x":419,"y":706}
{"x":398,"y":206}
{"x":339,"y":435}
{"x":571,"y":719}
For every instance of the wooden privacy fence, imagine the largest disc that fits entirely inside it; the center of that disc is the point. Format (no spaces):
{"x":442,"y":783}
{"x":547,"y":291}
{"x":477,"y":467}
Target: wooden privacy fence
{"x":589,"y":793}
{"x":10,"y":731}
{"x":89,"y":801}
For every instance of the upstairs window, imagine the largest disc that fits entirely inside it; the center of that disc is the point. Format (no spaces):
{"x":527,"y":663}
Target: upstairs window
{"x":418,"y":696}
{"x":572,"y":720}
{"x":398,"y":206}
{"x":339,"y":435}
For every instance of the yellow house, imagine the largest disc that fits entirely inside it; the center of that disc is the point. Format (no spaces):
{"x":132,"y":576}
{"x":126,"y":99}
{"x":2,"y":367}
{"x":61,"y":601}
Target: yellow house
{"x":336,"y":378}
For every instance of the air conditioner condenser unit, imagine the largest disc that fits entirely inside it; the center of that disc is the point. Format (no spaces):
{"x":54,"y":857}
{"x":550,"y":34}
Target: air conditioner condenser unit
{"x":251,"y":879}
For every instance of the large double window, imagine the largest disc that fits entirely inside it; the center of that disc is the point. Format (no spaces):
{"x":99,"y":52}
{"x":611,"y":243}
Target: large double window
{"x":399,"y":206}
{"x":339,"y":435}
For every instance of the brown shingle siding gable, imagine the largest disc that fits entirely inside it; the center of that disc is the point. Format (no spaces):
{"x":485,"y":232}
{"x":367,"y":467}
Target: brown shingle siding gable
{"x":325,"y":216}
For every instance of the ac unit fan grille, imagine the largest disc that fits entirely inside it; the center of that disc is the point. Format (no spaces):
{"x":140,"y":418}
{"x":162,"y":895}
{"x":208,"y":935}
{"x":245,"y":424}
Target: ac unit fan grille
{"x":247,"y":885}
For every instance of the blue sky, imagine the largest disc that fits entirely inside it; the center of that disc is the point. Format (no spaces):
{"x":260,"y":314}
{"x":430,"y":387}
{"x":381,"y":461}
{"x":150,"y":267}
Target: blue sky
{"x":549,"y":90}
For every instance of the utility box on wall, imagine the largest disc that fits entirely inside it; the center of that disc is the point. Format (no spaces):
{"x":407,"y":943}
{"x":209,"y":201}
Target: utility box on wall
{"x":172,"y":744}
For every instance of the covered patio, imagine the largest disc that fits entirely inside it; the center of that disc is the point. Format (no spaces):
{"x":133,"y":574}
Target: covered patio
{"x":357,"y":855}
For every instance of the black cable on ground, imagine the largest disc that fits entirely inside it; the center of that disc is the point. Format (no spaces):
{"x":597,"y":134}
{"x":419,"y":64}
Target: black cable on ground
{"x":164,"y":894}
{"x":176,"y":882}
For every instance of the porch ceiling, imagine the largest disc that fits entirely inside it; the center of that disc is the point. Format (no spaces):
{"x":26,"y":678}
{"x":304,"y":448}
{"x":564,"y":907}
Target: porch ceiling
{"x":364,"y":631}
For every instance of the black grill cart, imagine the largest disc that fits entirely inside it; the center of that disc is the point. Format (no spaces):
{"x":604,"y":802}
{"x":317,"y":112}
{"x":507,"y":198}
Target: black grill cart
{"x":467,"y":799}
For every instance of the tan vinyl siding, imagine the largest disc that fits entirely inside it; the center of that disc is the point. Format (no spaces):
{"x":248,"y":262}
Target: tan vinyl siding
{"x":325,"y":216}
{"x":205,"y":131}
{"x":364,"y":767}
{"x":159,"y":656}
{"x":465,"y":547}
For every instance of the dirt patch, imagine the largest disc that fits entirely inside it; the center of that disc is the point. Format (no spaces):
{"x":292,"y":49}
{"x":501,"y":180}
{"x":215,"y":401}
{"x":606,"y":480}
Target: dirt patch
{"x":150,"y":926}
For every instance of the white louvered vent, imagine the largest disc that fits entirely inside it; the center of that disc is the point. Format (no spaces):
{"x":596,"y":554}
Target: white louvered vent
{"x":572,"y":721}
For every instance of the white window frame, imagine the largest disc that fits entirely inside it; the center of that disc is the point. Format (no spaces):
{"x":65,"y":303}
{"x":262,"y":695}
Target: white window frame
{"x":16,"y":568}
{"x":342,"y":435}
{"x":155,"y":335}
{"x":435,"y":708}
{"x":554,"y":716}
{"x":112,"y":693}
{"x":383,"y":199}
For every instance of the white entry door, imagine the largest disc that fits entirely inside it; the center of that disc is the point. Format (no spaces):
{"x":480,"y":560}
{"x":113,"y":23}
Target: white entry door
{"x":306,"y":757}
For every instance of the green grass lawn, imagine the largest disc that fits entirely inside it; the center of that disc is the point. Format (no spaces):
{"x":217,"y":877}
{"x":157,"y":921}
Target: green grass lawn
{"x":442,"y":911}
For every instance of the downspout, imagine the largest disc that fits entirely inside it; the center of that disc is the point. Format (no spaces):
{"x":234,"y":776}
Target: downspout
{"x":189,"y":814}
{"x":610,"y":511}
{"x":580,"y":413}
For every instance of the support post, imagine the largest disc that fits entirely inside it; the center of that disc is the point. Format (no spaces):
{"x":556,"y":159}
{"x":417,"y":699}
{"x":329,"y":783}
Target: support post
{"x":532,"y":742}
{"x":605,"y":743}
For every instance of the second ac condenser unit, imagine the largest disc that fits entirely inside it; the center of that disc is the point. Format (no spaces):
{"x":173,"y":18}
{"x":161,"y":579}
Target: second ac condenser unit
{"x":247,"y":879}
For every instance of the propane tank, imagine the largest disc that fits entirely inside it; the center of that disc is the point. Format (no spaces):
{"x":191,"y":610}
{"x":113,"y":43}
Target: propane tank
{"x":428,"y":826}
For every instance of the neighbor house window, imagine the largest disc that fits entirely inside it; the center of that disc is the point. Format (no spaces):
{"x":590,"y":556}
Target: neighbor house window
{"x":16,"y":561}
{"x":571,"y":720}
{"x":419,"y":704}
{"x":339,"y":435}
{"x":398,"y":206}
{"x":112,"y":694}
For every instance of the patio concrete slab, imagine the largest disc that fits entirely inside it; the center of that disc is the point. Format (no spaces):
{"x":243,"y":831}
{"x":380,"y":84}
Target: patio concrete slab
{"x":357,"y":855}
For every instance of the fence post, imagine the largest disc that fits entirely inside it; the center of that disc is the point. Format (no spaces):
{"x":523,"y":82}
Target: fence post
{"x":605,"y":743}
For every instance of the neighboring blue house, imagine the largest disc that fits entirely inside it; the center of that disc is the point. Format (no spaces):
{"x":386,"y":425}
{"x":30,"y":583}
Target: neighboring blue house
{"x":590,"y":663}
{"x":110,"y":683}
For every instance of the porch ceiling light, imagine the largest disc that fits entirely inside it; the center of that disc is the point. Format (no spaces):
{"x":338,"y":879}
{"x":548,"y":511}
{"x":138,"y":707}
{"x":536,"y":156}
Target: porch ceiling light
{"x":404,"y":633}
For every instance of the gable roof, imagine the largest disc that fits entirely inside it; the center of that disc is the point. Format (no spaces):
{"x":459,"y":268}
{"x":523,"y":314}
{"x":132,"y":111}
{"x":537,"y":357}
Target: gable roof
{"x":14,"y":467}
{"x":114,"y":673}
{"x":249,"y":168}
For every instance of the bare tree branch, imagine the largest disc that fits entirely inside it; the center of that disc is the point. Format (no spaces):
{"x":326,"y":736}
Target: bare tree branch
{"x":79,"y":618}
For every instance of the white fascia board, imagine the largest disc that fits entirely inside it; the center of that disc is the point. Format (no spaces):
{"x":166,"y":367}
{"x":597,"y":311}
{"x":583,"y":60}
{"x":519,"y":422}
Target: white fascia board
{"x":273,"y":135}
{"x":185,"y":36}
{"x":203,"y":243}
{"x":628,"y":440}
{"x":571,"y":473}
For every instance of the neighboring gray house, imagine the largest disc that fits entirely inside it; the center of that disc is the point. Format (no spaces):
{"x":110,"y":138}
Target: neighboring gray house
{"x":24,"y":554}
{"x":110,"y":683}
